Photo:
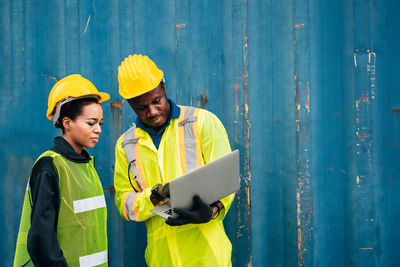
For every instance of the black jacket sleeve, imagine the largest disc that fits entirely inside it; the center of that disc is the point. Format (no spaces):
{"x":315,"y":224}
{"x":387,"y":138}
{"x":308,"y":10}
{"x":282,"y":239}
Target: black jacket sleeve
{"x":43,"y":246}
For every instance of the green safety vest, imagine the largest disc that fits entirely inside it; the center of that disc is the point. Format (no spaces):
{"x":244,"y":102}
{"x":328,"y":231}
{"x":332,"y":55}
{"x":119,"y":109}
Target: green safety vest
{"x":82,"y":220}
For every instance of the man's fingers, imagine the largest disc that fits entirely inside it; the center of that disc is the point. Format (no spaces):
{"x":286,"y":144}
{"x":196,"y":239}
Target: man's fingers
{"x":175,"y":221}
{"x":183,"y":212}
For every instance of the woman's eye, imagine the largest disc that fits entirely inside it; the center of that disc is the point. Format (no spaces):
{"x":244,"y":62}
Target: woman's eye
{"x":91,"y":123}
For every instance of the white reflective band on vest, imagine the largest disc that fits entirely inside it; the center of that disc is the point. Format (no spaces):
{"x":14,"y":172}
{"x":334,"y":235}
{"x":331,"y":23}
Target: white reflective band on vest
{"x":189,"y":138}
{"x":129,"y":206}
{"x":94,"y":259}
{"x":88,"y":204}
{"x":129,"y":145}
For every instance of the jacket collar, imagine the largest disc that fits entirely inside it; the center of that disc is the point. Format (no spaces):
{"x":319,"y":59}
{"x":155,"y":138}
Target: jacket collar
{"x":62,"y":147}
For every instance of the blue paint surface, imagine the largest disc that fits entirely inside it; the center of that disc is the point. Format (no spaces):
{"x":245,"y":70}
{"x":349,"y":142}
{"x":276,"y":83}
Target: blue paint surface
{"x":308,"y":91}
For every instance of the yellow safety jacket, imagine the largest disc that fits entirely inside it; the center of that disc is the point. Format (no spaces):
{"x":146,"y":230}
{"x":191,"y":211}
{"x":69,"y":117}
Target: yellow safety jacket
{"x":194,"y":139}
{"x":82,"y":219}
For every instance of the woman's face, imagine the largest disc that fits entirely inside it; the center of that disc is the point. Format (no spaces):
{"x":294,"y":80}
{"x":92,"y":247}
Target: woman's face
{"x":85,"y":130}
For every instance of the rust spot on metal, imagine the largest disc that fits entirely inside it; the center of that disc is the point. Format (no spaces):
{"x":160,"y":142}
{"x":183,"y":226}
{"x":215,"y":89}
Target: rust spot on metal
{"x":247,"y":167}
{"x":391,"y":143}
{"x":244,"y":199}
{"x":48,"y":77}
{"x":236,"y":86}
{"x":355,"y":60}
{"x":364,"y":134}
{"x":178,"y":27}
{"x":117,"y":104}
{"x":395,"y":110}
{"x":203,"y":99}
{"x":303,"y":189}
{"x":110,"y":189}
{"x":363,"y":98}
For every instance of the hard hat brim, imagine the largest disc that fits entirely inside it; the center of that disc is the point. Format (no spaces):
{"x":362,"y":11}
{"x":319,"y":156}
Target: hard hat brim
{"x":102,"y":97}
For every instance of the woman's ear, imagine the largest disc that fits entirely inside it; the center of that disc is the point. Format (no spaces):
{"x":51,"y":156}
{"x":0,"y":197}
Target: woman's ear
{"x":66,"y":123}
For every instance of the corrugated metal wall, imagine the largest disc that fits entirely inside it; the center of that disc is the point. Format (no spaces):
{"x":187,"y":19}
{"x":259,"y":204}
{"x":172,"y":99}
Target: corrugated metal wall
{"x":308,"y":91}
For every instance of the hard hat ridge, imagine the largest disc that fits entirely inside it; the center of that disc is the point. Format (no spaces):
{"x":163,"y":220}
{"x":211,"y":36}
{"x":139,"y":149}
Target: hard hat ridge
{"x":138,"y":75}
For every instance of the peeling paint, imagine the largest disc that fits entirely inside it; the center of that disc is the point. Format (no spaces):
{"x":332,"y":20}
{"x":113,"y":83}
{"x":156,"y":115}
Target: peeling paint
{"x":236,"y":87}
{"x":87,"y":24}
{"x":365,"y":86}
{"x":303,"y":138}
{"x":51,"y":77}
{"x":117,"y":104}
{"x":355,"y":60}
{"x":110,"y":189}
{"x":180,"y":26}
{"x":243,"y":130}
{"x":299,"y":26}
{"x":203,"y":99}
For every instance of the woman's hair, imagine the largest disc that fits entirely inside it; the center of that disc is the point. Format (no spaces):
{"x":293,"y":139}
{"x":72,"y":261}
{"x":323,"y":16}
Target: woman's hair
{"x":73,"y":109}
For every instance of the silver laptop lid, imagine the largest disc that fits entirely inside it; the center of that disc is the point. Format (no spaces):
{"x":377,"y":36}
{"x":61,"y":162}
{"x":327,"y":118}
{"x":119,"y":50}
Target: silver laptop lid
{"x":211,"y":182}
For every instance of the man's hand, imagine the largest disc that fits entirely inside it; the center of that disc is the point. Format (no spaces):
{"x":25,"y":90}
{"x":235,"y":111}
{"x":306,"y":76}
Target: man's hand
{"x":201,"y":213}
{"x":159,"y":193}
{"x":165,"y":191}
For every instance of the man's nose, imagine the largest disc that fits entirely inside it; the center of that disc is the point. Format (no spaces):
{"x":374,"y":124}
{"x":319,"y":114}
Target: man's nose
{"x":152,"y":111}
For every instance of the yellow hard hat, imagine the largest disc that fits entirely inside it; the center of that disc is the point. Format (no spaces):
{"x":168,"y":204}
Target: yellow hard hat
{"x":138,"y":75}
{"x":69,"y":88}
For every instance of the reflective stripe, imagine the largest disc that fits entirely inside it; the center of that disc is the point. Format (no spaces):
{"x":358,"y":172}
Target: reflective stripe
{"x":129,"y":206}
{"x":199,"y":157}
{"x":189,"y":154}
{"x":88,"y":204}
{"x":140,"y":176}
{"x":129,"y":144}
{"x":94,"y":259}
{"x":181,"y":134}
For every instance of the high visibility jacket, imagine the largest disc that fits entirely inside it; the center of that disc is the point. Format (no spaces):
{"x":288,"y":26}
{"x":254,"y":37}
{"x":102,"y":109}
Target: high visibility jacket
{"x":192,"y":140}
{"x":82,"y":219}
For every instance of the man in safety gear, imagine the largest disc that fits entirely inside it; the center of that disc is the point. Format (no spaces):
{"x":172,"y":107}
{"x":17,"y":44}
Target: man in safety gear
{"x":166,"y":142}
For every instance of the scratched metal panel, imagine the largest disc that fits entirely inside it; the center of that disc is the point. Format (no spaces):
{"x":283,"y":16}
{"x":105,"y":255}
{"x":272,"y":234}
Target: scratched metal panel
{"x":323,"y":109}
{"x":307,"y":89}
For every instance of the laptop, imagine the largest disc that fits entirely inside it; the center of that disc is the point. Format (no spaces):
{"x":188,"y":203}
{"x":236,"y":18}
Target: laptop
{"x":211,"y":182}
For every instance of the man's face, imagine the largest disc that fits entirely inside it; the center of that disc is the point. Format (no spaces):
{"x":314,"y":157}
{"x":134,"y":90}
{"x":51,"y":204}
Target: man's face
{"x":152,"y":108}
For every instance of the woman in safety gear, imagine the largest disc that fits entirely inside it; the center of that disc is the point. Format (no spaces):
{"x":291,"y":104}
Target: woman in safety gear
{"x":64,"y":217}
{"x":166,"y":142}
